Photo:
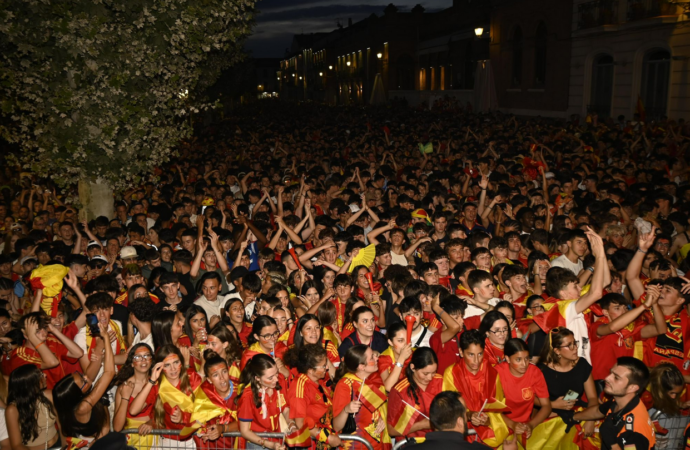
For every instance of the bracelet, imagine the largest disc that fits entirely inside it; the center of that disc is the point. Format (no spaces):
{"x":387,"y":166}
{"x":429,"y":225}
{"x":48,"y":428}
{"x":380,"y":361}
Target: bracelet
{"x":38,"y":346}
{"x":639,"y":250}
{"x":152,"y":382}
{"x":399,"y":364}
{"x":260,"y":443}
{"x":591,"y":269}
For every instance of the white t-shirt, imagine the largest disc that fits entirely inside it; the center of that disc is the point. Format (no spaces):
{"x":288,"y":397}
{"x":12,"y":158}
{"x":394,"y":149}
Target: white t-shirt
{"x":147,"y":340}
{"x":425,"y":340}
{"x":578,"y":325}
{"x":564,"y":262}
{"x":80,"y":340}
{"x":3,"y":426}
{"x":473,"y":311}
{"x":212,"y":308}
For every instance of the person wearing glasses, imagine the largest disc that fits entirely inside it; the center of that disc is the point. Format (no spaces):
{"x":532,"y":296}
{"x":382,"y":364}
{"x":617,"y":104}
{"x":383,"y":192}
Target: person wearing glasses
{"x":568,"y":378}
{"x":130,"y":380}
{"x":310,"y":399}
{"x":495,"y":328}
{"x":522,"y":382}
{"x":169,"y":395}
{"x":264,"y":339}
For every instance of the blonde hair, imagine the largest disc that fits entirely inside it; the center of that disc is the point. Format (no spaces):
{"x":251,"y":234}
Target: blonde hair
{"x":158,"y":408}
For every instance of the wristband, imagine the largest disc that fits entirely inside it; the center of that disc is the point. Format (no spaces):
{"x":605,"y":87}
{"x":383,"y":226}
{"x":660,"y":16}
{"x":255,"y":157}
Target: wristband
{"x":152,"y":382}
{"x":591,"y":269}
{"x":639,"y":250}
{"x":38,"y":346}
{"x":399,"y":364}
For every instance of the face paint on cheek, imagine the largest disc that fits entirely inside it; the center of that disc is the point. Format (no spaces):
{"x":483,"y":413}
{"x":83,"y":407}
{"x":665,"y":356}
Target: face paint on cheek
{"x":371,"y":363}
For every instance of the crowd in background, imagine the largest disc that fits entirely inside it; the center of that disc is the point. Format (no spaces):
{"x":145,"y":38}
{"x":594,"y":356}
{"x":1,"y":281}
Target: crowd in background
{"x":389,"y":273}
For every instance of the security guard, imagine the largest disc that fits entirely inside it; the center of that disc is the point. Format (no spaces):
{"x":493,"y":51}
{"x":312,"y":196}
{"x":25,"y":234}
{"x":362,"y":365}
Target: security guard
{"x":626,"y":423}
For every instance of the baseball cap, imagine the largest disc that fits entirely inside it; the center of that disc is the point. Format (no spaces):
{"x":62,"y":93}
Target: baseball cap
{"x":128,"y":252}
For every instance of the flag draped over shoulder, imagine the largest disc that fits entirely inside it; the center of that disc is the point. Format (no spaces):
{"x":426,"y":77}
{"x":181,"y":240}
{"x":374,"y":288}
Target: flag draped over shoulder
{"x":374,"y":399}
{"x":173,"y":397}
{"x":475,"y":389}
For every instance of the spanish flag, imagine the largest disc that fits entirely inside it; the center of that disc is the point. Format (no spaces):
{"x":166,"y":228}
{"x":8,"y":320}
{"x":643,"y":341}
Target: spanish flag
{"x":551,"y":434}
{"x":554,"y":315}
{"x":475,"y":389}
{"x":373,"y":398}
{"x":301,"y":438}
{"x":173,"y":397}
{"x":49,"y":279}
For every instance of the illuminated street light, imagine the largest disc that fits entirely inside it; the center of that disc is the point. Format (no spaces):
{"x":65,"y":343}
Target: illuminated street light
{"x":379,"y":55}
{"x":479,"y":31}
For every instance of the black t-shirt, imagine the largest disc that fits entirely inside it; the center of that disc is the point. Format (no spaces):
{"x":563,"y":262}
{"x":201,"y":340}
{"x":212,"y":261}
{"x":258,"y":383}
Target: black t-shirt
{"x":559,"y":383}
{"x":379,"y":343}
{"x":121,"y":314}
{"x":186,"y":281}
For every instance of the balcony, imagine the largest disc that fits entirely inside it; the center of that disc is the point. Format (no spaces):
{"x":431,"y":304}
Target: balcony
{"x":644,"y":9}
{"x":597,"y":13}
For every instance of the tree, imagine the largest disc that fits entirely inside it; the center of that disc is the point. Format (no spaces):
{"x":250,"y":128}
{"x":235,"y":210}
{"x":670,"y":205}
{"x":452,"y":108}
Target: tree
{"x":98,"y":91}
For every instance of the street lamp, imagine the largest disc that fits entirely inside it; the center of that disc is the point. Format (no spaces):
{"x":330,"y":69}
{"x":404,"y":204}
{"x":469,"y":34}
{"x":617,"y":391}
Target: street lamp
{"x":479,"y":31}
{"x":320,"y":74}
{"x":330,"y":67}
{"x":379,"y":55}
{"x":348,"y":63}
{"x":293,"y":75}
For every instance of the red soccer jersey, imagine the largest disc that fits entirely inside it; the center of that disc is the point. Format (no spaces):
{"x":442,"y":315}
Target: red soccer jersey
{"x":400,"y":394}
{"x":520,"y":392}
{"x":309,"y":399}
{"x":247,"y":411}
{"x":447,"y":353}
{"x":610,"y":347}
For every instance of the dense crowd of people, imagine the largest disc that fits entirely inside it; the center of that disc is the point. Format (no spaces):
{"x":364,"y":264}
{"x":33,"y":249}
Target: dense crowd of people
{"x":475,"y":280}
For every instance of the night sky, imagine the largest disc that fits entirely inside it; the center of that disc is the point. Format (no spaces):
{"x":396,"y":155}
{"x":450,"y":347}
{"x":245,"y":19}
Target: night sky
{"x":279,"y":20}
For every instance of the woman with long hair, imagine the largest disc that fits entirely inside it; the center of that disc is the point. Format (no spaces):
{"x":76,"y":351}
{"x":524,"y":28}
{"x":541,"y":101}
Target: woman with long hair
{"x":416,"y":391}
{"x":219,"y":394}
{"x":310,"y":399}
{"x":358,"y":374}
{"x":130,"y":380}
{"x":264,"y":340}
{"x":167,"y":328}
{"x":30,"y":415}
{"x":196,"y":329}
{"x":394,"y":360}
{"x":495,"y":328}
{"x":81,"y":415}
{"x":664,"y":398}
{"x":233,"y":318}
{"x":170,"y":391}
{"x":328,"y":317}
{"x":260,"y":403}
{"x":308,"y":331}
{"x":310,"y":293}
{"x":522,"y":383}
{"x":566,"y":373}
{"x":223,"y":343}
{"x":363,"y":290}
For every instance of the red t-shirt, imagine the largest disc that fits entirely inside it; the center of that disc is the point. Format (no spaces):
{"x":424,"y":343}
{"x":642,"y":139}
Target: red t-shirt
{"x":248,"y":412}
{"x":520,"y":392}
{"x":306,"y":399}
{"x":447,"y":353}
{"x":612,"y":346}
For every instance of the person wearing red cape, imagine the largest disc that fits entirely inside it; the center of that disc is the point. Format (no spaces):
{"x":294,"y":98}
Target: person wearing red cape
{"x":481,"y":390}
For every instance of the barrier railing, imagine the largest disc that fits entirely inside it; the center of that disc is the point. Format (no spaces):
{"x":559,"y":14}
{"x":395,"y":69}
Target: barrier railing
{"x":144,"y":443}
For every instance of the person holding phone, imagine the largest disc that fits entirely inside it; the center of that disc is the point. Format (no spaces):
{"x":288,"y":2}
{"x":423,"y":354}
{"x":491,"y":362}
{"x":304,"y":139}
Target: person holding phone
{"x":568,"y":378}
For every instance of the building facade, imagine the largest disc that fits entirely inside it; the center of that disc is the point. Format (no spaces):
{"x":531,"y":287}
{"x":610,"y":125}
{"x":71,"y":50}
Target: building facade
{"x":528,"y":57}
{"x":625,"y":50}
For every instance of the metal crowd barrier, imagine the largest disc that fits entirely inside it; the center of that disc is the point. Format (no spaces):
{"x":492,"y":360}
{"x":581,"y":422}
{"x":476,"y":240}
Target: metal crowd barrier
{"x":210,"y":445}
